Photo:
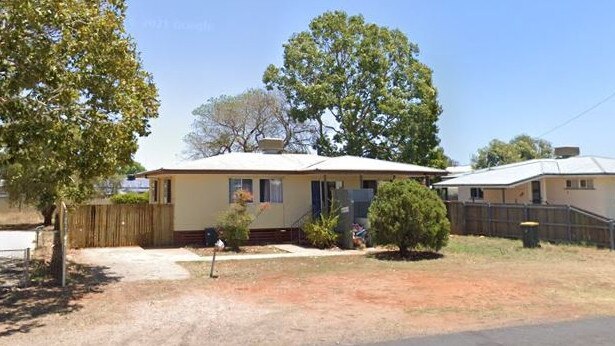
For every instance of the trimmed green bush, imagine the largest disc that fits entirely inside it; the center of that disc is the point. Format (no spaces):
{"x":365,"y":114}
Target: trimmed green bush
{"x":130,"y":198}
{"x":320,"y":232}
{"x":234,"y":224}
{"x":408,"y":214}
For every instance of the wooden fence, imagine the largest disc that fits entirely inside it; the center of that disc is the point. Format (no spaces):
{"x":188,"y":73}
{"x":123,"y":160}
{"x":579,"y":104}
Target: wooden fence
{"x":120,"y":225}
{"x":558,"y":223}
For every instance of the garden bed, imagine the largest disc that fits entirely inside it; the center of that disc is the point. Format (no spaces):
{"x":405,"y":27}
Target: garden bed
{"x":244,"y":250}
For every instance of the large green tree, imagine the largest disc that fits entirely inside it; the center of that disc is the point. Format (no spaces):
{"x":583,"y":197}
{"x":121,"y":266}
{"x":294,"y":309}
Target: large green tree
{"x":368,"y":80}
{"x":74,"y":97}
{"x":520,"y":148}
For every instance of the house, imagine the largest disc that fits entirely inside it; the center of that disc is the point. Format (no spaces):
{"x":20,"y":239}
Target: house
{"x":452,"y":193}
{"x":294,"y":186}
{"x":586,"y":182}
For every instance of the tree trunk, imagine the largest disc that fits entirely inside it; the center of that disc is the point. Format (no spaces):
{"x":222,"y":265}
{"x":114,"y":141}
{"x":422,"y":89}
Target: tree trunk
{"x":48,"y":214}
{"x":55,"y":267}
{"x":403,"y":251}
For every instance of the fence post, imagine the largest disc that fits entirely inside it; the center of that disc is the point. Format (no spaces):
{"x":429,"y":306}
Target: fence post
{"x":569,"y":223}
{"x":611,"y":235}
{"x":526,"y":212}
{"x":26,"y":261}
{"x":489,"y":217}
{"x":464,"y":231}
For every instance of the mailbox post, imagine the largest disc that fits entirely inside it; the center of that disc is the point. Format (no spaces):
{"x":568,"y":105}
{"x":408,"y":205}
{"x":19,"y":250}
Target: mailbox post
{"x":219,"y":246}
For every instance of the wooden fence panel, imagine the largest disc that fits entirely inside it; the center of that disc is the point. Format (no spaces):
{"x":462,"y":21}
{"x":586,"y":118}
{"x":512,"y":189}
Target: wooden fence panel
{"x":558,"y":223}
{"x":120,"y":225}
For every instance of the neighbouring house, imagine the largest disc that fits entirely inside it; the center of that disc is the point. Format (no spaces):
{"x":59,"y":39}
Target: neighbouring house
{"x":294,"y":185}
{"x":586,"y":182}
{"x":452,"y":193}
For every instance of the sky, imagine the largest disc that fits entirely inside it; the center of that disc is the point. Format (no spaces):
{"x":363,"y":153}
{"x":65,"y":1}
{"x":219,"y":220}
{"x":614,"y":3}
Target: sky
{"x":502,"y":68}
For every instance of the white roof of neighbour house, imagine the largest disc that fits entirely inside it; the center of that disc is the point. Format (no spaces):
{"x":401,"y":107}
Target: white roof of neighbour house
{"x":516,"y":173}
{"x":292,"y":164}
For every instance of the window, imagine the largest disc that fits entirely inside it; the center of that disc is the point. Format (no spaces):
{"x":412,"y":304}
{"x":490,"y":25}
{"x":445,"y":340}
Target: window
{"x":238,"y":184}
{"x":476,"y":193}
{"x":166,"y":198}
{"x":271,"y":190}
{"x":155,"y":191}
{"x":580,"y":184}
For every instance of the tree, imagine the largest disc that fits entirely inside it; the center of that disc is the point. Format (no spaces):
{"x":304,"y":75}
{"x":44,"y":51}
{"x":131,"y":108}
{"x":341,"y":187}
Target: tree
{"x":74,"y":97}
{"x":132,"y":168}
{"x":235,"y":123}
{"x":111,"y":185}
{"x":520,"y":148}
{"x":408,"y":214}
{"x":367,"y":77}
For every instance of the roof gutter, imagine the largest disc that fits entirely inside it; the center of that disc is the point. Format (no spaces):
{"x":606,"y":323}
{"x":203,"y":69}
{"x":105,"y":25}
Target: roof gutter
{"x":163,"y":171}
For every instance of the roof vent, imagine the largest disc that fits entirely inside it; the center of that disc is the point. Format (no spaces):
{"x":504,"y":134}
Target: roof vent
{"x":566,"y":152}
{"x":271,"y":145}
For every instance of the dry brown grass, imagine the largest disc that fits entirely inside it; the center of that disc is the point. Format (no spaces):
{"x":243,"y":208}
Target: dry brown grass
{"x":19,"y":218}
{"x":478,"y":283}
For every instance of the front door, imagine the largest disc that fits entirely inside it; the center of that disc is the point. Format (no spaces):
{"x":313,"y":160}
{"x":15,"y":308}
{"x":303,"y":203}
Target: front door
{"x":536,"y":196}
{"x":316,"y":199}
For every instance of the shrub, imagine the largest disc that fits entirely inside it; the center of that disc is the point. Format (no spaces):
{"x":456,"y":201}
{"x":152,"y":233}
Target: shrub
{"x":235,"y":223}
{"x":130,"y":198}
{"x":408,"y":214}
{"x":320,"y":232}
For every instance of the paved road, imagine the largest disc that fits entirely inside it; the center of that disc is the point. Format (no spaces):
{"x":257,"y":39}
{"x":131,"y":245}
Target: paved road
{"x":595,"y":332}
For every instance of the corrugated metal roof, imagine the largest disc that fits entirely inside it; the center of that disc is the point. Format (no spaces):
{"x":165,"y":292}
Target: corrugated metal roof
{"x":515,"y":173}
{"x":292,"y":163}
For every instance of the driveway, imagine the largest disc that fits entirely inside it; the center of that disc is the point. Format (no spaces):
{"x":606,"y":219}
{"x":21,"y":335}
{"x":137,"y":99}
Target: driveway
{"x":136,"y":263}
{"x":17,"y":240}
{"x":597,"y":331}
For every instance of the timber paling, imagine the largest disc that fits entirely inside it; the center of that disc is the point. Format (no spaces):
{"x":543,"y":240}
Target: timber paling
{"x":120,"y":225}
{"x":558,"y":223}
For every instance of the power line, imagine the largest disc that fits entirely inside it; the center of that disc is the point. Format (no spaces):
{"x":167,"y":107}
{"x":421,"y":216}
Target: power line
{"x":579,"y":115}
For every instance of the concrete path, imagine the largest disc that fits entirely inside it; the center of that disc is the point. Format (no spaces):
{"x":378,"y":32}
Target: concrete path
{"x":136,"y":263}
{"x":596,"y":332}
{"x":292,"y":251}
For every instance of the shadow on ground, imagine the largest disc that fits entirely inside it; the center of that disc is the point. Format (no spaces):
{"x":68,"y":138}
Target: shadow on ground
{"x":20,"y":308}
{"x":412,"y":256}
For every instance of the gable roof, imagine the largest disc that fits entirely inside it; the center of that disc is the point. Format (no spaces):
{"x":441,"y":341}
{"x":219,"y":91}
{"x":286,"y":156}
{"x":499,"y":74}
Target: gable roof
{"x":516,"y":173}
{"x":292,"y":164}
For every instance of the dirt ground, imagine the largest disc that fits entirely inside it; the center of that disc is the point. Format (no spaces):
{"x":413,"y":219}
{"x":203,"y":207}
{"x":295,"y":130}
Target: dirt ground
{"x":478,"y":283}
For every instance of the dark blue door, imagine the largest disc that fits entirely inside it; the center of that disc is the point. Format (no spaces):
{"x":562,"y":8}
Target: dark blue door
{"x":316,"y":206}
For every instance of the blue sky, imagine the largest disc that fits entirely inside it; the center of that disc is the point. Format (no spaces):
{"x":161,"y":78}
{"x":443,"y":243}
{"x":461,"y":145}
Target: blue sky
{"x":501,"y":67}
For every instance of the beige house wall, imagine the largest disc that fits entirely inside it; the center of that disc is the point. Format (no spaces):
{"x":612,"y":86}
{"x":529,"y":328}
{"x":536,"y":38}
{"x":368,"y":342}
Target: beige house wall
{"x":600,"y":199}
{"x":200,"y":199}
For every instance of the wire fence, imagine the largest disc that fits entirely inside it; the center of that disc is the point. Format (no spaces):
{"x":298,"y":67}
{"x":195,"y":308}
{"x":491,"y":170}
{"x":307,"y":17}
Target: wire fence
{"x":14,"y":268}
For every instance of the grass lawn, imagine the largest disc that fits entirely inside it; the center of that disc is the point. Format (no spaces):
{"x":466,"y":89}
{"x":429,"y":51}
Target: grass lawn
{"x":478,"y":282}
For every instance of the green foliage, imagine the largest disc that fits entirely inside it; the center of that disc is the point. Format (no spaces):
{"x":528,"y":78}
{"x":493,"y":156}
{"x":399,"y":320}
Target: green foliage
{"x":408,"y":214}
{"x":520,"y":148}
{"x":235,"y":223}
{"x":320,"y":232}
{"x":236,"y":123}
{"x":369,"y":79}
{"x":130,"y":198}
{"x":74,"y":97}
{"x":132,"y":168}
